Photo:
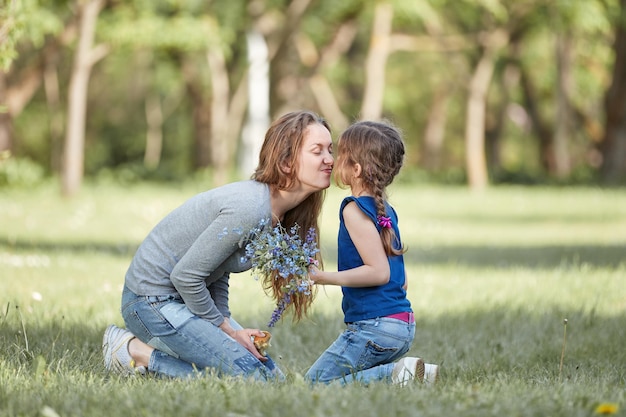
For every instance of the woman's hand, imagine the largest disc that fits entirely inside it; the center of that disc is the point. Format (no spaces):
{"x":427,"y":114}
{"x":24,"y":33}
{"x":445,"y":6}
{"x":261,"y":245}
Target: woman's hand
{"x":244,"y":338}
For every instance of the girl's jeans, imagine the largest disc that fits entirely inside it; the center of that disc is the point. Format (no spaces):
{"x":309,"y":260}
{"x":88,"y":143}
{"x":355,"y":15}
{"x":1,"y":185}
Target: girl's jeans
{"x":187,"y":345}
{"x":364,"y":352}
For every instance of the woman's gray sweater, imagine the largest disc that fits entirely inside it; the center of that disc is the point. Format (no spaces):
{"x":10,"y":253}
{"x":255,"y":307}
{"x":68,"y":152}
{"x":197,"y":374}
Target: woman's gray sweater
{"x":193,"y":250}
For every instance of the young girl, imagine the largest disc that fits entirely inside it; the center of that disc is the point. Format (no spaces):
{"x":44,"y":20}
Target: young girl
{"x":379,"y":319}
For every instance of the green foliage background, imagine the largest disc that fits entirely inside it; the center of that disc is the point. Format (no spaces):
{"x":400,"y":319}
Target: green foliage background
{"x":150,"y":41}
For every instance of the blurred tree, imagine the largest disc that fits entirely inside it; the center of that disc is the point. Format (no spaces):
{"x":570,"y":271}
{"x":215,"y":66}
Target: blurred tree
{"x":530,"y":27}
{"x":484,"y":89}
{"x":280,"y":25}
{"x":12,"y":17}
{"x":565,"y":24}
{"x":614,"y":142}
{"x":439,"y":73}
{"x":45,"y":28}
{"x":376,"y":61}
{"x":258,"y":101}
{"x":488,"y":25}
{"x":85,"y":57}
{"x":320,"y":60}
{"x":11,"y":26}
{"x":188,"y":33}
{"x":476,"y":162}
{"x":564,"y":115}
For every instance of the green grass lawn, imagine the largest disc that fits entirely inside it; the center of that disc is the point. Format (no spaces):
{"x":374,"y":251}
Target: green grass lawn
{"x":492,"y":277}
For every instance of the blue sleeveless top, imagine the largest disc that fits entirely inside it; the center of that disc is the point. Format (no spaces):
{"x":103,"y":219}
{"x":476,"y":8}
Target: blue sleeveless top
{"x":370,"y":302}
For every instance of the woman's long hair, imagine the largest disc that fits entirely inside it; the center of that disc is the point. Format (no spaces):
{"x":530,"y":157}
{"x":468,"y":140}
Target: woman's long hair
{"x":278,"y":167}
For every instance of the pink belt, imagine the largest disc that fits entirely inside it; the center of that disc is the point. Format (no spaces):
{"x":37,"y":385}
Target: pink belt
{"x":405,"y":317}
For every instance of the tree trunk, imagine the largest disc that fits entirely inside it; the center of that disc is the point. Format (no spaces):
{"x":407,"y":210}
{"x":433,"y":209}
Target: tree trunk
{"x":53,"y":100}
{"x":476,"y":106}
{"x":154,"y":134}
{"x":542,"y":131}
{"x":85,"y":58}
{"x":201,"y":114}
{"x":497,"y":119}
{"x":376,"y":62}
{"x":563,"y":122}
{"x":318,"y":83}
{"x":220,"y":101}
{"x":6,"y":122}
{"x":236,"y":119}
{"x":475,"y":123}
{"x":285,"y":88}
{"x":15,"y":98}
{"x":613,"y":145}
{"x":258,"y":102}
{"x":18,"y":95}
{"x":435,"y":129}
{"x":494,"y":123}
{"x":329,"y":107}
{"x":227,"y":115}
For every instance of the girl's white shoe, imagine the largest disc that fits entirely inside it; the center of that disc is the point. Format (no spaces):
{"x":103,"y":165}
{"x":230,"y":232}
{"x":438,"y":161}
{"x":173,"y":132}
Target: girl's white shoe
{"x":408,"y":369}
{"x":411,"y":368}
{"x":431,"y":373}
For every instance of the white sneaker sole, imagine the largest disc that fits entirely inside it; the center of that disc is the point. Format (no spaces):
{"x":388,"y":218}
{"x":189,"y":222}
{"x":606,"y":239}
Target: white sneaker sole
{"x":431,"y":373}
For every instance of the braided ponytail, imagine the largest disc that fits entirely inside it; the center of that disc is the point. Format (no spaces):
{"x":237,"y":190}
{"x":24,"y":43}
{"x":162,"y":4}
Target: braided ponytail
{"x":379,"y":149}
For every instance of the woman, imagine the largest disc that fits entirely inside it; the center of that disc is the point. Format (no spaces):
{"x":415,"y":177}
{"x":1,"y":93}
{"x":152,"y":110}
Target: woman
{"x":175,"y":298}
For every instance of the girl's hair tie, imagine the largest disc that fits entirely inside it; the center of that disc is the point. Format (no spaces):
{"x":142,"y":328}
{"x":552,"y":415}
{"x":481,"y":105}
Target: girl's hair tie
{"x":384,"y":222}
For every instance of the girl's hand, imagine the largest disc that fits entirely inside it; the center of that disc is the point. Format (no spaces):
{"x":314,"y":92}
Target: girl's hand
{"x":315,"y":274}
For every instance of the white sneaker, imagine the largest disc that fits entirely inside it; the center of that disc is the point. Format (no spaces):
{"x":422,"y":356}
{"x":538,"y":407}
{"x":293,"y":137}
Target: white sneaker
{"x":115,"y":350}
{"x":431,"y":373}
{"x":408,"y":369}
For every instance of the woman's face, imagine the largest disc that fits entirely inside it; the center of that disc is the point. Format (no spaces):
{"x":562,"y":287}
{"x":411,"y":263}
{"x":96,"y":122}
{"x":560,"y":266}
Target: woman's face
{"x":315,"y":164}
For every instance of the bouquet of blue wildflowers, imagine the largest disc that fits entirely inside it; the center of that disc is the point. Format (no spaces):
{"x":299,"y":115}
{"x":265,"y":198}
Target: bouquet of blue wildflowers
{"x":281,"y":258}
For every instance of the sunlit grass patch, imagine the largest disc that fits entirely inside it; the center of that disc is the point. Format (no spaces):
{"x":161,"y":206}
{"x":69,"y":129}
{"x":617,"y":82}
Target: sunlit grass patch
{"x":491,"y":279}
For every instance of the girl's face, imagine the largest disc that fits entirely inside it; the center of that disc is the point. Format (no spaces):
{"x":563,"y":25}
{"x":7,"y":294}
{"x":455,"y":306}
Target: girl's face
{"x":315,"y":164}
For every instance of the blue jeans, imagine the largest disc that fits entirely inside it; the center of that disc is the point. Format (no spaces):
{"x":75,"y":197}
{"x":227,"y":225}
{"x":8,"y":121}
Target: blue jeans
{"x":364,"y":352}
{"x":187,"y":345}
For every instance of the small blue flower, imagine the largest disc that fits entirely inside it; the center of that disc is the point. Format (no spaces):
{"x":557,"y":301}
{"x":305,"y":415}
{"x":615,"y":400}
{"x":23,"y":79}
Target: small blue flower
{"x":223,"y":233}
{"x":281,"y":254}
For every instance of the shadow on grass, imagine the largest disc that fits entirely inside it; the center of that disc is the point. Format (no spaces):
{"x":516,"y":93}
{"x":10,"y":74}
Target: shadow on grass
{"x":481,"y":344}
{"x":497,"y":362}
{"x":533,"y":257}
{"x":548,"y":256}
{"x":115,"y":249}
{"x":470,"y":346}
{"x":476,"y":256}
